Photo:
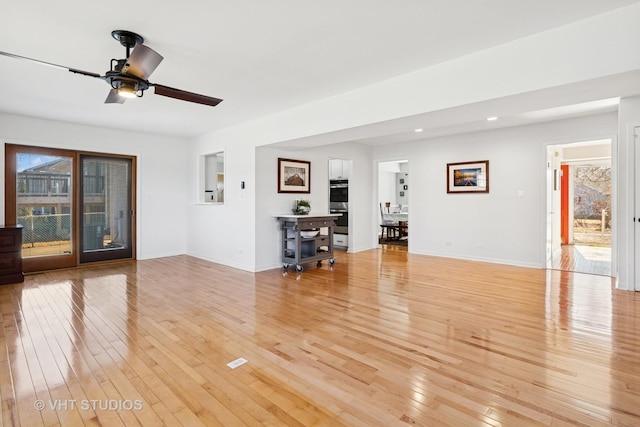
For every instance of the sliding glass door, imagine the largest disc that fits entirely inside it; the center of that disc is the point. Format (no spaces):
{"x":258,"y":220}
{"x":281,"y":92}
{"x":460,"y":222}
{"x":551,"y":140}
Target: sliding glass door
{"x":106,"y":198}
{"x":74,"y":207}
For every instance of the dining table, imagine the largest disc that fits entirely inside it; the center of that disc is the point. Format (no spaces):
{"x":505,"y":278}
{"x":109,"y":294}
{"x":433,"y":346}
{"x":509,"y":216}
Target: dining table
{"x":396,"y":217}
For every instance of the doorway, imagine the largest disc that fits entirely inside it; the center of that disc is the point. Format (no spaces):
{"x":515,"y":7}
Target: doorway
{"x":74,"y":207}
{"x":393,"y":202}
{"x":580,"y":210}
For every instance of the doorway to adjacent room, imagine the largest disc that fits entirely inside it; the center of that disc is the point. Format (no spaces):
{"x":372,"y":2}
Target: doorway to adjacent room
{"x":581,"y":208}
{"x":393,"y":202}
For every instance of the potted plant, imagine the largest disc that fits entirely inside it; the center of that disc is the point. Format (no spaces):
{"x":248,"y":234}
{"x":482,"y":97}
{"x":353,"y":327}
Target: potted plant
{"x":302,"y":207}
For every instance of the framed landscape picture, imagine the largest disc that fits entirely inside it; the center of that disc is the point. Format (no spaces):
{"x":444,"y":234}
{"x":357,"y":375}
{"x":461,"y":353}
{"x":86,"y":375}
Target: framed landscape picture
{"x":468,"y":177}
{"x":294,"y":176}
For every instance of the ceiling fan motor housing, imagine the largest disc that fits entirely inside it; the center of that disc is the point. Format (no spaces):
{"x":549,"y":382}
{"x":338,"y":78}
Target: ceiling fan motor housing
{"x":127,"y":82}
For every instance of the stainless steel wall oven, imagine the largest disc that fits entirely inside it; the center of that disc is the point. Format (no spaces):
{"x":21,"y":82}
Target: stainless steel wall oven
{"x":339,"y":203}
{"x":339,"y":190}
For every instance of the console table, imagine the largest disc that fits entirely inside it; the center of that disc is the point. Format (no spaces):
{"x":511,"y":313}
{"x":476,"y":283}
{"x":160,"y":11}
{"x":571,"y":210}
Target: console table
{"x":306,"y":238}
{"x":11,"y":254}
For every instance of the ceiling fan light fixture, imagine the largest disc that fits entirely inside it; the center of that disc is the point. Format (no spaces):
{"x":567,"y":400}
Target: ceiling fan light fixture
{"x":127,"y":90}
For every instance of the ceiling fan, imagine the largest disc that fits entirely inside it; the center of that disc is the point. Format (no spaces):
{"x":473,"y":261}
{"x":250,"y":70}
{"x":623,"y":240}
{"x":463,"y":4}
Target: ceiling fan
{"x":128,"y":77}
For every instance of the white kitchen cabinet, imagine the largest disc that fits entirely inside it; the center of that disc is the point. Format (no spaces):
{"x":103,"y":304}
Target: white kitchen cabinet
{"x":340,"y":240}
{"x":339,"y":169}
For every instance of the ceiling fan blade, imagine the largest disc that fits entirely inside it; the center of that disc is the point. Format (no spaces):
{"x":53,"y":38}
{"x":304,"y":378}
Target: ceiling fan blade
{"x":142,"y":61}
{"x":184,"y":95}
{"x":114,"y":98}
{"x":62,"y":67}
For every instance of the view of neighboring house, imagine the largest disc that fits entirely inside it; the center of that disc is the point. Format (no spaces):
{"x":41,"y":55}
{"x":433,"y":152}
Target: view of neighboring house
{"x":44,"y":193}
{"x":44,"y":196}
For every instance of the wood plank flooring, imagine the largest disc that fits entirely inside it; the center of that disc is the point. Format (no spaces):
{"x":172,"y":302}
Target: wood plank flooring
{"x":384,"y":338}
{"x":583,"y":259}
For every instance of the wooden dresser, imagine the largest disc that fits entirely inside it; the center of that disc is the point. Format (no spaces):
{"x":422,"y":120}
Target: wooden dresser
{"x":11,"y":254}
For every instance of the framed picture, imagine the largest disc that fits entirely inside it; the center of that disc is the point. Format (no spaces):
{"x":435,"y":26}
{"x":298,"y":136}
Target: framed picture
{"x":468,"y":177}
{"x":402,"y":194}
{"x":294,"y":176}
{"x":401,"y":180}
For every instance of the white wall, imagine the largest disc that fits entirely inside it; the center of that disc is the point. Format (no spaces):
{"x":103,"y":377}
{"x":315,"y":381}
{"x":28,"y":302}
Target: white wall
{"x":387,"y":181}
{"x":402,"y":195}
{"x":386,"y":187}
{"x":389,"y":186}
{"x":223,"y":233}
{"x":509,"y":229}
{"x":595,"y":48}
{"x":242,"y":233}
{"x":269,"y":202}
{"x":498,"y":226}
{"x":161,"y":161}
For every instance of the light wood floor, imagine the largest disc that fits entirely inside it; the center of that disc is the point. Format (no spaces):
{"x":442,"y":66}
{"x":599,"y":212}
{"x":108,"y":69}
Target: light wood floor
{"x":386,"y":338}
{"x":583,"y":259}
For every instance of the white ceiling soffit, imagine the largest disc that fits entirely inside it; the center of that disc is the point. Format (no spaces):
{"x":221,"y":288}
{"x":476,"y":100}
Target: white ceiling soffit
{"x":590,"y":97}
{"x":260,"y":57}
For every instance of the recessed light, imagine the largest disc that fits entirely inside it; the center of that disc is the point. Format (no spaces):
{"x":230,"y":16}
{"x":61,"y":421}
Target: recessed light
{"x":491,"y":119}
{"x":417,"y":130}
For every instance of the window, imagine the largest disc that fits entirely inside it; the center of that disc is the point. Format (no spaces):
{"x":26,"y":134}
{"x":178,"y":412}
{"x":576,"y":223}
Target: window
{"x":212,"y":180}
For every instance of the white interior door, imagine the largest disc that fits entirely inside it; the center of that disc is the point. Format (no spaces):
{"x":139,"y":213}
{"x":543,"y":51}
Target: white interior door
{"x":636,"y":213}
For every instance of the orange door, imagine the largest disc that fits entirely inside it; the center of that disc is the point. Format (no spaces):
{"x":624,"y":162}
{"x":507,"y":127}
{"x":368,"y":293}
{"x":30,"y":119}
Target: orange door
{"x":564,"y":204}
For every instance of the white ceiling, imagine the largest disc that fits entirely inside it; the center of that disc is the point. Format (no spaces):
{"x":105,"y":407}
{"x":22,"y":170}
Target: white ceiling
{"x":260,"y":57}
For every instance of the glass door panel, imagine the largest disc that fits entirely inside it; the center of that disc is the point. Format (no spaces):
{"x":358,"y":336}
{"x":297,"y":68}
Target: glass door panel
{"x":106,"y":203}
{"x":45,"y":197}
{"x":39,"y":186}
